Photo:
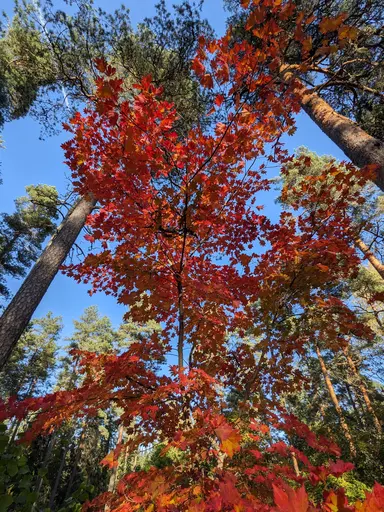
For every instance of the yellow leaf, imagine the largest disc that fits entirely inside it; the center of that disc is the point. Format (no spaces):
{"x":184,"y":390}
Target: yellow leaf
{"x":346,"y":32}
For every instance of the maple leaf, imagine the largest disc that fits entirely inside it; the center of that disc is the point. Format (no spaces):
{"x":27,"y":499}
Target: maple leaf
{"x":347,"y":32}
{"x":207,"y":81}
{"x":338,"y":468}
{"x":290,"y":500}
{"x":198,"y":67}
{"x":229,"y":439}
{"x":219,"y":100}
{"x":374,"y":501}
{"x":110,"y":460}
{"x":336,"y":502}
{"x":331,"y":24}
{"x":228,"y":492}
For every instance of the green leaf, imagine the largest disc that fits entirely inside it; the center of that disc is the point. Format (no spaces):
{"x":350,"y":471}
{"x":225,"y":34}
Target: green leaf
{"x":12,"y":468}
{"x":5,"y":501}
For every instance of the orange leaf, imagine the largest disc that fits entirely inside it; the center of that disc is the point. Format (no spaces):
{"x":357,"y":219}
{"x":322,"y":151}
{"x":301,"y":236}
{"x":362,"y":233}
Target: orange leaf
{"x":291,"y":500}
{"x":207,"y":81}
{"x":197,"y":66}
{"x":219,"y":100}
{"x":110,"y":460}
{"x":229,"y":437}
{"x":331,"y":24}
{"x":346,"y":32}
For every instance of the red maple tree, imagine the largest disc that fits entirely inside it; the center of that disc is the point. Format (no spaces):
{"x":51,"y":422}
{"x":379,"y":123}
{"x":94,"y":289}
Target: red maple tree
{"x":180,"y":237}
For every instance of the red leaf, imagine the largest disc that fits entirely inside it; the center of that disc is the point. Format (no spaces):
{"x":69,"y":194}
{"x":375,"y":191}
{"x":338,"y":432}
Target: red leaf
{"x":290,"y":500}
{"x":229,"y":437}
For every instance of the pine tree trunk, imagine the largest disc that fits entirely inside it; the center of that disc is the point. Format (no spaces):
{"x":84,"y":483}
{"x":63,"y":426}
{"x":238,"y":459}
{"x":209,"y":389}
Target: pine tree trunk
{"x":75,"y":466}
{"x":52,"y":497}
{"x":376,"y":264}
{"x":39,"y":481}
{"x":352,"y":401}
{"x":112,"y":478}
{"x":360,"y":147}
{"x":21,"y":308}
{"x":336,"y":403}
{"x":362,"y":389}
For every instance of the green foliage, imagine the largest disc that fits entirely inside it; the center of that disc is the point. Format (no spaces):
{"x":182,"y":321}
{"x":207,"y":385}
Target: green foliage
{"x":92,"y":332}
{"x":78,"y":498}
{"x":23,"y":232}
{"x":354,"y":489}
{"x":26,"y":66}
{"x":33,"y":360}
{"x":60,"y":59}
{"x":161,"y":460}
{"x":16,"y":483}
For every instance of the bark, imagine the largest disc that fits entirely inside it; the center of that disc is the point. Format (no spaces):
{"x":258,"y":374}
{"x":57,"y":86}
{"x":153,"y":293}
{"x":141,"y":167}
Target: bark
{"x":360,"y":147}
{"x":19,"y":421}
{"x":353,"y":404}
{"x":47,"y":456}
{"x":362,"y":389}
{"x":180,"y":342}
{"x":21,"y":308}
{"x":336,"y":403}
{"x":57,"y":479}
{"x":376,"y":264}
{"x":112,"y":479}
{"x":78,"y":451}
{"x":295,"y":463}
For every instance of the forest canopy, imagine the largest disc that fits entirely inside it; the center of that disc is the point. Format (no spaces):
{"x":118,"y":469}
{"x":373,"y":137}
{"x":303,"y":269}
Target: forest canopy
{"x":246,"y":373}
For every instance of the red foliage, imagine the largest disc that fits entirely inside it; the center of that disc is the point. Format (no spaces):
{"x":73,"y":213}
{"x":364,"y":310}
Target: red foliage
{"x":180,"y":238}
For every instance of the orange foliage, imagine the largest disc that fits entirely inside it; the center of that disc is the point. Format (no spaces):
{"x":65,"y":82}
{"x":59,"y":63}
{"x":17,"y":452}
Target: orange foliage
{"x":180,"y":237}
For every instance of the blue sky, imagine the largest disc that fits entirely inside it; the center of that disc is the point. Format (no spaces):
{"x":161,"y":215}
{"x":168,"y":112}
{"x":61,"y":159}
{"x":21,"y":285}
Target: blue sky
{"x":29,"y":160}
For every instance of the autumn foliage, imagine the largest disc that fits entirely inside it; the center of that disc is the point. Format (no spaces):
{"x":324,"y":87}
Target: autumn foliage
{"x":180,"y":237}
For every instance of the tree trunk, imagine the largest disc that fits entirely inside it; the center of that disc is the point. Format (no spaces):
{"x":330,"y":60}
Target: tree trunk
{"x":21,"y":308}
{"x":78,"y":451}
{"x":376,"y":264}
{"x":39,"y":481}
{"x":362,"y":389}
{"x":352,"y":401}
{"x":295,"y":463}
{"x":336,"y":403}
{"x":360,"y":147}
{"x":57,"y":479}
{"x":112,"y":478}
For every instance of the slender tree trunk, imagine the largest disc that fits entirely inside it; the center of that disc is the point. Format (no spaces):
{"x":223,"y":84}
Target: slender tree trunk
{"x":19,"y":421}
{"x":362,"y":149}
{"x":112,"y":478}
{"x":336,"y":403}
{"x":180,"y":342}
{"x":21,"y":308}
{"x":295,"y":464}
{"x":362,"y":389}
{"x":57,"y":479}
{"x":75,"y":466}
{"x":376,"y":264}
{"x":353,"y":404}
{"x":39,"y":481}
{"x":125,"y":463}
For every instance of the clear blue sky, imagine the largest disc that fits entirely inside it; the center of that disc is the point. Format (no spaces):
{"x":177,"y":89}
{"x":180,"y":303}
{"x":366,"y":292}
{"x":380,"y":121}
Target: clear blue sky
{"x":29,"y":160}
